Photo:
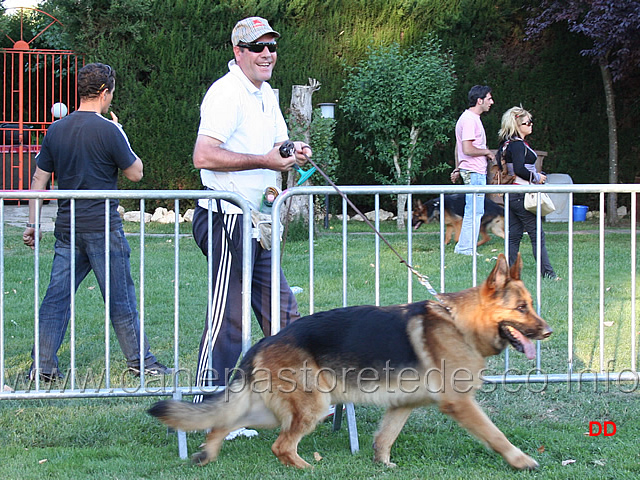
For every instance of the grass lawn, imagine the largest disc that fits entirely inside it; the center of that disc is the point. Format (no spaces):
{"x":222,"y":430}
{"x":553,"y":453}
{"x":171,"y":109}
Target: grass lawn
{"x":115,"y":439}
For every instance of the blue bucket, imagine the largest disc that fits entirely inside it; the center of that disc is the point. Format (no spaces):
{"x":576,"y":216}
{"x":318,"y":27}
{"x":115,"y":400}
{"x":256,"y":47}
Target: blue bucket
{"x":580,"y":213}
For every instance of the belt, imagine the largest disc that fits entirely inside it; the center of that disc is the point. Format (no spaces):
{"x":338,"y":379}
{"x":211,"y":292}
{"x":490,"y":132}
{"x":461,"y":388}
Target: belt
{"x":520,"y":181}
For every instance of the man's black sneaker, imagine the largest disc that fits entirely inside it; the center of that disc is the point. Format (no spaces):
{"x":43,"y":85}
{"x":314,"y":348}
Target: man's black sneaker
{"x":46,"y":377}
{"x":154,"y":370}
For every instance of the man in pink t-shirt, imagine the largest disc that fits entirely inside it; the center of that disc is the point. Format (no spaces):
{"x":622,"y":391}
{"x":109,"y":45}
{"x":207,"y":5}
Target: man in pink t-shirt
{"x":471,"y":164}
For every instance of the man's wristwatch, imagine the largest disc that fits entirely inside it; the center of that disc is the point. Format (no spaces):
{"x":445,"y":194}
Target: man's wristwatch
{"x":31,"y":225}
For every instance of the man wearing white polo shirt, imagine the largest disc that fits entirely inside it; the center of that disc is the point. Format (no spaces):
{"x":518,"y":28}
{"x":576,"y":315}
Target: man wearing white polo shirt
{"x":237,"y":150}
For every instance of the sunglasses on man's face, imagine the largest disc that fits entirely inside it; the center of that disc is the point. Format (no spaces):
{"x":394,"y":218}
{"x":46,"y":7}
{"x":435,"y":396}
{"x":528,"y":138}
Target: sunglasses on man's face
{"x":258,"y":47}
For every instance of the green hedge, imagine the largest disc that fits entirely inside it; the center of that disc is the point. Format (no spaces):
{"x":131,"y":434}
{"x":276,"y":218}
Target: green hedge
{"x":167,"y":53}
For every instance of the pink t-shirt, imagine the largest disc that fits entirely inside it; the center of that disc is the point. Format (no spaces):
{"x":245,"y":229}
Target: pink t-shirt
{"x":469,"y":127}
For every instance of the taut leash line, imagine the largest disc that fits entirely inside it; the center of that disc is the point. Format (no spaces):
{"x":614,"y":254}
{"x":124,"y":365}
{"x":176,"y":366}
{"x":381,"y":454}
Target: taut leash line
{"x":423,"y":279}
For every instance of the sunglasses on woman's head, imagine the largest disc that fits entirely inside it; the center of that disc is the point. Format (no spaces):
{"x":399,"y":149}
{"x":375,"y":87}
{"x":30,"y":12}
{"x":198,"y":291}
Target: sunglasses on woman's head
{"x":258,"y":47}
{"x":104,"y":85}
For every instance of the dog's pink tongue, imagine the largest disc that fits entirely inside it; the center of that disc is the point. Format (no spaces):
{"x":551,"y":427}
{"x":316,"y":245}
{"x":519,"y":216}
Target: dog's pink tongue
{"x":529,"y":347}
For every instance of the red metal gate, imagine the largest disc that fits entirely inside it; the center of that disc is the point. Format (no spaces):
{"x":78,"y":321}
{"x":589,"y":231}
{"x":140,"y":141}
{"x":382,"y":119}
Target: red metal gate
{"x":38,"y":87}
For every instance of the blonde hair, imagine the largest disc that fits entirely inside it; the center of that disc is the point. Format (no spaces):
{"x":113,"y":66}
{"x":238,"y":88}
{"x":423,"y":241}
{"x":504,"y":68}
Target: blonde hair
{"x":511,"y":120}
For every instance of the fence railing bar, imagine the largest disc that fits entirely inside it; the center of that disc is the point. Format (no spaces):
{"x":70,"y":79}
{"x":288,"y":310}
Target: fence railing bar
{"x":135,"y":391}
{"x":141,"y":306}
{"x":442,"y":245}
{"x":345,"y":237}
{"x":634,"y":273}
{"x":2,"y":382}
{"x":602,"y":280}
{"x":311,"y":256}
{"x":176,"y":293}
{"x":570,"y":290}
{"x":142,"y":390}
{"x":107,"y":291}
{"x":36,"y":297}
{"x":607,"y":377}
{"x":247,"y":275}
{"x":377,"y":250}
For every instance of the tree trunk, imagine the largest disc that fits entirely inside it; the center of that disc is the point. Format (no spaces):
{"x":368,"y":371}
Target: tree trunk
{"x":301,"y":111}
{"x":612,"y":204}
{"x":402,"y":204}
{"x":402,"y":198}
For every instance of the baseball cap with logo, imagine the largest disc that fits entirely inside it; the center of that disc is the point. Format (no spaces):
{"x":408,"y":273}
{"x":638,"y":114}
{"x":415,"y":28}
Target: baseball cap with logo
{"x":250,"y":29}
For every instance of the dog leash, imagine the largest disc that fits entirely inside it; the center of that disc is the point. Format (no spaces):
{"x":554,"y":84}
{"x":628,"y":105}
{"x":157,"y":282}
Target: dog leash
{"x":422,"y":279}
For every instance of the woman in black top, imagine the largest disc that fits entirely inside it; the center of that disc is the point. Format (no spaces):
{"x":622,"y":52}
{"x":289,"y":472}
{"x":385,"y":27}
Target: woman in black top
{"x":520,"y":159}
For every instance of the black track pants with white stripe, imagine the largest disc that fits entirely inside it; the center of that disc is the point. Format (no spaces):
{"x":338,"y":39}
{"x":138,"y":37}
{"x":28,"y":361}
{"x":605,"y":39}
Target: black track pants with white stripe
{"x":221,"y":343}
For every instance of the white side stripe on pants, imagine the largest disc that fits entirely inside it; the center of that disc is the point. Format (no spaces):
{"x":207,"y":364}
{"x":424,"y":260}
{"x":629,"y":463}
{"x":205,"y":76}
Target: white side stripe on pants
{"x":215,"y":311}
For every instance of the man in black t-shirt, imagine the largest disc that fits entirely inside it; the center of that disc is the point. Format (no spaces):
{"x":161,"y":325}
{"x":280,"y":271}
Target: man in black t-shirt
{"x":85,"y":151}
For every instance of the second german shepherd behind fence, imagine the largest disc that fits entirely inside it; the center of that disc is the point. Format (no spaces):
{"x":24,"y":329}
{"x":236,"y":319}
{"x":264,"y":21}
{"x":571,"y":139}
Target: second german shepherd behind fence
{"x":492,"y":220}
{"x":401,"y":357}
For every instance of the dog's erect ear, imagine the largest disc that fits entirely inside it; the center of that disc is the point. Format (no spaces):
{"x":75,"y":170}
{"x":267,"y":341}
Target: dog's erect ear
{"x":499,"y":276}
{"x":516,"y":268}
{"x":419,"y":203}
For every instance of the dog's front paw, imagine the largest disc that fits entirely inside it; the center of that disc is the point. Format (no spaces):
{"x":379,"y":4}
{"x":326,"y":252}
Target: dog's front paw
{"x":387,"y":463}
{"x":522,"y":461}
{"x":383,"y":457}
{"x":200,"y":458}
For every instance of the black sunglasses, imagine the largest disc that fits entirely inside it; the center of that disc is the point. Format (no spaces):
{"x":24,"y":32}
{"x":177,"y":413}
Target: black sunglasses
{"x":528,"y":124}
{"x":258,"y":47}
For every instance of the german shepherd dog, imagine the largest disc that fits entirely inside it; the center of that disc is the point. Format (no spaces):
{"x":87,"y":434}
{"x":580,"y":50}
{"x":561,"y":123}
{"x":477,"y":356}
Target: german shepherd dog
{"x":492,"y":220}
{"x":400,"y":357}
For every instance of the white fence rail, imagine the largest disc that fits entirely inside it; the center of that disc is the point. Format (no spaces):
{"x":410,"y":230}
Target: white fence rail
{"x":71,"y":387}
{"x":538,"y":375}
{"x":180,"y":385}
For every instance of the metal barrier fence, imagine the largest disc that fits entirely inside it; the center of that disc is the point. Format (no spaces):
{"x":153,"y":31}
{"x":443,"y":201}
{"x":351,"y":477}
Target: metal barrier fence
{"x":105,"y":387}
{"x":178,"y":387}
{"x":628,"y":375}
{"x":71,"y":390}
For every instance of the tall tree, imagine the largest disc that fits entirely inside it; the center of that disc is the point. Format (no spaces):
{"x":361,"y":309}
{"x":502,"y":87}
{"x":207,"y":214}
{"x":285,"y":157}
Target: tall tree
{"x":398,"y":105}
{"x":614,"y":28}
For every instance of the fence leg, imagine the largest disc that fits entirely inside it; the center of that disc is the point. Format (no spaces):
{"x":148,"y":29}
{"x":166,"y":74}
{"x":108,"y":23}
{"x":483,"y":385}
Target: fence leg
{"x":182,"y":444}
{"x":351,"y":424}
{"x":353,"y":428}
{"x":182,"y":436}
{"x":337,"y":417}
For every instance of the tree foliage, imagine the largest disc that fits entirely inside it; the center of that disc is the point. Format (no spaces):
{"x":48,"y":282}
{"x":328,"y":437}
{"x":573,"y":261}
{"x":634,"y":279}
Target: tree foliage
{"x":167,"y":52}
{"x":325,"y":154}
{"x":613,"y":26}
{"x":397,"y":102}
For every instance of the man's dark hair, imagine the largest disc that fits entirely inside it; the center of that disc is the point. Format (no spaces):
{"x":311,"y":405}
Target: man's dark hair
{"x":95,"y":78}
{"x":477,"y":92}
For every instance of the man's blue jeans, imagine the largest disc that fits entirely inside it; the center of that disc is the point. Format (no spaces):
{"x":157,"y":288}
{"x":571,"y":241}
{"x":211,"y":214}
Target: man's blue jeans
{"x":55,"y":309}
{"x":471,"y":225}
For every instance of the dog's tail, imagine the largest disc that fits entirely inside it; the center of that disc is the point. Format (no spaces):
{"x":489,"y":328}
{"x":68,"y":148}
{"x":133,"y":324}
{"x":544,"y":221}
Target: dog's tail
{"x":218,"y":411}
